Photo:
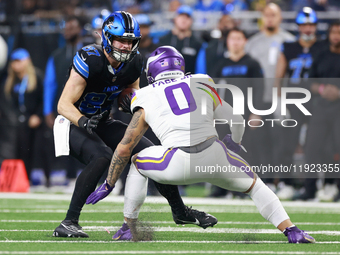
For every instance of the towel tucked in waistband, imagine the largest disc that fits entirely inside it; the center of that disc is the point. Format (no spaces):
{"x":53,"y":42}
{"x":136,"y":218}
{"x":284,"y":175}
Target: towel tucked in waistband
{"x":61,"y":132}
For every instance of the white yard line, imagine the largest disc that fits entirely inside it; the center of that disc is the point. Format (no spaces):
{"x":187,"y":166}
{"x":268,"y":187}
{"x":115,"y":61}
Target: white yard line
{"x":171,"y":252}
{"x":229,"y":209}
{"x":161,"y":200}
{"x":185,"y":229}
{"x":161,"y":241}
{"x":171,"y":222}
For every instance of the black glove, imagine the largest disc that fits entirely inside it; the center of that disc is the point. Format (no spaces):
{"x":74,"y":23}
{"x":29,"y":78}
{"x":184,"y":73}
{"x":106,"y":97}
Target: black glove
{"x":125,"y":104}
{"x":90,"y":124}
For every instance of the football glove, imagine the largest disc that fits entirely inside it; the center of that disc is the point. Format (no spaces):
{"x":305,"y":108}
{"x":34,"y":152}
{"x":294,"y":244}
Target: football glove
{"x":100,"y":193}
{"x":125,"y":104}
{"x":231,"y":145}
{"x":92,"y":123}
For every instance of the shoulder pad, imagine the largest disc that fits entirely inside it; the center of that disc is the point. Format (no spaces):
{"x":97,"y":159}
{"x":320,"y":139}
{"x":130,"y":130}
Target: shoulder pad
{"x":88,"y":60}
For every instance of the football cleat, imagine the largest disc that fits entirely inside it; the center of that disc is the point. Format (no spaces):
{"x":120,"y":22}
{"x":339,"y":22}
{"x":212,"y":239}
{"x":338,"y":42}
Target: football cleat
{"x":124,"y":233}
{"x":195,"y":217}
{"x":296,"y":235}
{"x":69,"y":228}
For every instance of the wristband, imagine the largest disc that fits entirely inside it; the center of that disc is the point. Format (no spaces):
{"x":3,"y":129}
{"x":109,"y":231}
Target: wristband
{"x":82,"y":122}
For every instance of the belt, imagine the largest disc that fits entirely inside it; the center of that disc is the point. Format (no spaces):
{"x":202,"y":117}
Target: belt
{"x":199,"y":147}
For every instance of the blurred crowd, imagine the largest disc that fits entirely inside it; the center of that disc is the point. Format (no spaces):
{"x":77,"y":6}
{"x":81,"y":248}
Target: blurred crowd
{"x":39,"y":39}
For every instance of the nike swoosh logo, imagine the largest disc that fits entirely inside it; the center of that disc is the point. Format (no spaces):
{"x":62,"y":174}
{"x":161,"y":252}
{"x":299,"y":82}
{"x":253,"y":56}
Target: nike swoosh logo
{"x":310,"y":240}
{"x":116,"y":237}
{"x":190,"y":222}
{"x":74,"y":229}
{"x":82,"y":57}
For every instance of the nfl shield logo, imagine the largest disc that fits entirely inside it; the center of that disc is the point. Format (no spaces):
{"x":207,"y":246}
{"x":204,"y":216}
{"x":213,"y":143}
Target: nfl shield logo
{"x":114,"y":78}
{"x":61,"y":121}
{"x":177,"y":62}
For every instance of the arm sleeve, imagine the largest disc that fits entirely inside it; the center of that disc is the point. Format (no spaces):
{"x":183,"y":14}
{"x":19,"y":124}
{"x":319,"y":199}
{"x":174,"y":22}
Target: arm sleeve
{"x":236,"y":122}
{"x":50,"y":87}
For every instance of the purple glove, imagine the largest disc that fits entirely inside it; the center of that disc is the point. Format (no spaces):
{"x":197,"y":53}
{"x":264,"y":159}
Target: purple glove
{"x":99,"y":193}
{"x":231,"y":145}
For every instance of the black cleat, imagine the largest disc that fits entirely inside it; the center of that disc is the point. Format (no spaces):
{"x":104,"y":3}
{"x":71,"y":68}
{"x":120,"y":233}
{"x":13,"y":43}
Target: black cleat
{"x":195,"y":217}
{"x":69,"y":228}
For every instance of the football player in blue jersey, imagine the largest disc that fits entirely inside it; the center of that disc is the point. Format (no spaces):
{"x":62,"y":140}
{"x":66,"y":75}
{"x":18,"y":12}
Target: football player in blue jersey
{"x":98,"y":74}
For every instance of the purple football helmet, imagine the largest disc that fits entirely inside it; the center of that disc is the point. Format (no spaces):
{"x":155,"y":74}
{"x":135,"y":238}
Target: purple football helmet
{"x":164,"y":62}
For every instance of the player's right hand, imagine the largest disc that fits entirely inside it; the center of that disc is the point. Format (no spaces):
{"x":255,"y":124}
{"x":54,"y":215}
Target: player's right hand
{"x":92,"y":123}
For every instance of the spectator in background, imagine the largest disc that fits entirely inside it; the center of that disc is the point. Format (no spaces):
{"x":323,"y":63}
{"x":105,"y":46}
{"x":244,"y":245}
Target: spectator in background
{"x":146,"y":45}
{"x":265,"y":47}
{"x":326,"y":5}
{"x":174,"y":5}
{"x":259,"y":5}
{"x":235,"y":5}
{"x":242,"y":71}
{"x":23,"y":89}
{"x":181,"y":37}
{"x":96,"y":26}
{"x":332,"y":4}
{"x":55,"y":79}
{"x":324,"y":124}
{"x":294,"y":62}
{"x":28,"y":6}
{"x":57,"y":66}
{"x":97,"y":23}
{"x":213,"y":5}
{"x":297,"y":5}
{"x":136,"y":6}
{"x":216,"y":48}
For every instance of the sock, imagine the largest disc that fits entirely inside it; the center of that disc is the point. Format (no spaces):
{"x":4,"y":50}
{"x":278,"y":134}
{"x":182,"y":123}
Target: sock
{"x":135,"y":192}
{"x":86,"y":183}
{"x":268,"y":203}
{"x":171,"y":193}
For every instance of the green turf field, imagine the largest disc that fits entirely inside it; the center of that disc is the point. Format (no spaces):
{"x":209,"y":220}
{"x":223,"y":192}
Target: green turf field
{"x":27,"y":223}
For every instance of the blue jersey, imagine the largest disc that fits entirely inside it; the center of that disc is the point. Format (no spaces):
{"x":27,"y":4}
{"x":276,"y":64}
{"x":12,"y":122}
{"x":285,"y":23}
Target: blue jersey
{"x":104,"y":83}
{"x":300,"y":60}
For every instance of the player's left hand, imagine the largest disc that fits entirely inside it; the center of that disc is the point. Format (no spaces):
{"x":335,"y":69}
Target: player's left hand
{"x":231,"y":145}
{"x":125,"y":104}
{"x":100,"y":193}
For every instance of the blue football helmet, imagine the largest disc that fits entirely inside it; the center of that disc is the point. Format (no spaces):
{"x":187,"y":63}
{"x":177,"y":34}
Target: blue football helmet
{"x":120,"y":25}
{"x":306,"y":16}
